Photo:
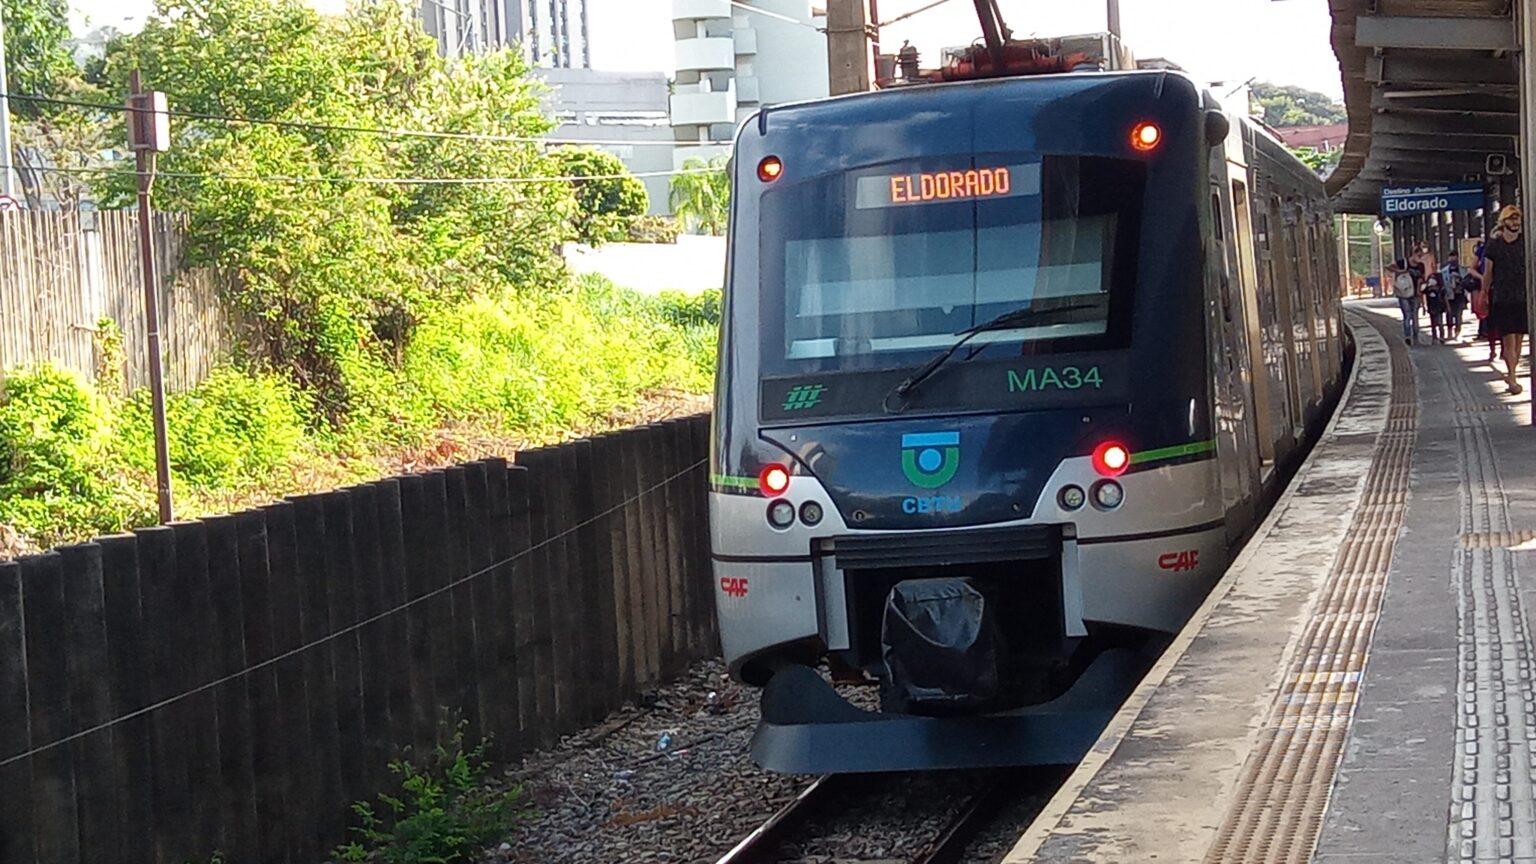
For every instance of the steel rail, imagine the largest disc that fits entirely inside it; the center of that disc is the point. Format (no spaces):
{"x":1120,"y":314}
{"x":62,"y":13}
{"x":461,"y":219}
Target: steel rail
{"x":763,"y":843}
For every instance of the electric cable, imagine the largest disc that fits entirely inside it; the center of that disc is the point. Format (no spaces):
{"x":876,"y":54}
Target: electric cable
{"x":375,"y":181}
{"x":366,"y":130}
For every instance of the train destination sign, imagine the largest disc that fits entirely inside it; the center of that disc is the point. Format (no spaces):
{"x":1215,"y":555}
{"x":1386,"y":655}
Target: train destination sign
{"x":1407,"y":200}
{"x":969,"y":184}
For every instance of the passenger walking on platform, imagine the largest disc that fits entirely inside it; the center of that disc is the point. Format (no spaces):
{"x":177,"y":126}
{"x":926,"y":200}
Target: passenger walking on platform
{"x":1435,"y":301}
{"x":1407,"y":294}
{"x":1504,"y":277}
{"x":1456,"y":291}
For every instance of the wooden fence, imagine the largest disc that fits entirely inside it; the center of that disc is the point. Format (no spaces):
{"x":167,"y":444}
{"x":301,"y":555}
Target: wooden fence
{"x":234,"y":683}
{"x":60,"y":273}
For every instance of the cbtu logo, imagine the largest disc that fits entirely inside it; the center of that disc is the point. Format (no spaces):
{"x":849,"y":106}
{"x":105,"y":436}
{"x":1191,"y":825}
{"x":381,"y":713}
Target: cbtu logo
{"x":930,"y":459}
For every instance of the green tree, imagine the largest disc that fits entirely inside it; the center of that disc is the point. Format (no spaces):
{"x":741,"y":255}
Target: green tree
{"x":1281,"y":106}
{"x":336,"y":271}
{"x":48,"y":135}
{"x":702,"y":199}
{"x":37,"y":61}
{"x":606,"y":204}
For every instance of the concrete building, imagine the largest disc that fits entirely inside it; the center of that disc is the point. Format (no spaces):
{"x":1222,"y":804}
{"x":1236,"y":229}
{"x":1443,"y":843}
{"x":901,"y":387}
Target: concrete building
{"x":731,"y":61}
{"x":553,"y":33}
{"x":626,"y":110}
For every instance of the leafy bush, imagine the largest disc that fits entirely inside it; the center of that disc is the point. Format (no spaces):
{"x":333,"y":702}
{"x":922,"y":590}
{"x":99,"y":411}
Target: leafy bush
{"x":553,"y":363}
{"x":233,"y":429}
{"x":443,"y":812}
{"x":654,"y":229}
{"x":690,"y":310}
{"x":57,"y":482}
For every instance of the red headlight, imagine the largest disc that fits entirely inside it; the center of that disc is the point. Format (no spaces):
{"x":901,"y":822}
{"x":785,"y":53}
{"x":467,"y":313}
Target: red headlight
{"x":773,"y":480}
{"x":769,"y":169}
{"x":1111,"y":459}
{"x":1146,"y":136}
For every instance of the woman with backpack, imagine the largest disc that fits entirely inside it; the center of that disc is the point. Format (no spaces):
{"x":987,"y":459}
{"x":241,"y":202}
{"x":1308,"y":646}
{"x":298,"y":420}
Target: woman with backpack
{"x":1406,"y":290}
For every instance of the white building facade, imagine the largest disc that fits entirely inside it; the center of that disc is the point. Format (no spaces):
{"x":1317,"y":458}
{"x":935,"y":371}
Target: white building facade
{"x":732,"y":61}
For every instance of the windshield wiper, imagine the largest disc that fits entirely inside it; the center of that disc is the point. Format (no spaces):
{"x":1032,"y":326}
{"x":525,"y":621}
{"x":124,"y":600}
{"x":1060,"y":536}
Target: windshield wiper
{"x":1005,"y":321}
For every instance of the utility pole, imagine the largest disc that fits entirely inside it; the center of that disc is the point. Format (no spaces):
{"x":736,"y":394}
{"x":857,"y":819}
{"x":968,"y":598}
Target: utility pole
{"x":7,"y":176}
{"x":849,"y":66}
{"x":149,"y":133}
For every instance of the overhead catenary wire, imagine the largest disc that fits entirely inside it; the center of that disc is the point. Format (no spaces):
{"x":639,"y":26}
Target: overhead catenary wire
{"x":905,"y":15}
{"x":779,"y":15}
{"x":351,"y":628}
{"x":305,"y":125}
{"x":375,"y":181}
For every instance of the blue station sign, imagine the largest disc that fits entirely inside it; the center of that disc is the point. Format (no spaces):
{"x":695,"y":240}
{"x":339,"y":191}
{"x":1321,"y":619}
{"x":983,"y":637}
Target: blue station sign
{"x":1408,"y":200}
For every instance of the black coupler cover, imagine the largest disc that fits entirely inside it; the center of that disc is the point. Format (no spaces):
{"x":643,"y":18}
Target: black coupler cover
{"x":939,"y":646}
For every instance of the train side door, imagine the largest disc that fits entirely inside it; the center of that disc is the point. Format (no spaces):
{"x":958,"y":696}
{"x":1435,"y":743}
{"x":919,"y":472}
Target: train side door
{"x":1282,"y":268}
{"x":1235,"y":447}
{"x":1248,"y":278}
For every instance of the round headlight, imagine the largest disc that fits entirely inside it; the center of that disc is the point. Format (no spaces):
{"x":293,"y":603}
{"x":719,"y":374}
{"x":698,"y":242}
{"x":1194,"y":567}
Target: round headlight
{"x":1108,"y":494}
{"x":810,"y":513}
{"x":781,"y":514}
{"x":1072,"y":497}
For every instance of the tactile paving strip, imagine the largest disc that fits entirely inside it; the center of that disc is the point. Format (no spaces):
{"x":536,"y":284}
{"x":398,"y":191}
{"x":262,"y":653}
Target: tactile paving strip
{"x":1493,"y":817}
{"x":1283,"y":790}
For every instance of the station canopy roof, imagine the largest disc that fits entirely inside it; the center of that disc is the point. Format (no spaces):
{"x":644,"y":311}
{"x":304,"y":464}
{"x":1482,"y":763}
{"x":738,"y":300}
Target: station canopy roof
{"x":1432,"y":89}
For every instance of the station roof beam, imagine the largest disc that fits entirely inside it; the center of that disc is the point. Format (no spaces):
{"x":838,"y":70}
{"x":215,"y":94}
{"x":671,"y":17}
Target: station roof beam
{"x":1431,"y":89}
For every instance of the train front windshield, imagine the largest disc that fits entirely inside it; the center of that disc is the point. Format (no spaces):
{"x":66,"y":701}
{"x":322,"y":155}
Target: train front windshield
{"x":880,"y":267}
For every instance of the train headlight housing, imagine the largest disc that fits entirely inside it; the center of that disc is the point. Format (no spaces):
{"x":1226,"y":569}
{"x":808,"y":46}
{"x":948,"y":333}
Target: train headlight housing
{"x":1111,"y":459}
{"x":773,"y":480}
{"x":1108,"y":494}
{"x":811,"y":513}
{"x":1072,"y":497}
{"x":770,"y":169}
{"x":781,"y":513}
{"x":1145,"y":137}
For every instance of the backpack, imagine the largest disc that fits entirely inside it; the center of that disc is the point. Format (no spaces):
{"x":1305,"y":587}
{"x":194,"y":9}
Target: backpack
{"x":1402,"y":286}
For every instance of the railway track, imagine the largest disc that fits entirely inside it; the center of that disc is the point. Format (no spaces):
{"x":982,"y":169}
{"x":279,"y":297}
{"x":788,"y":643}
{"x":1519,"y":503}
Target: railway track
{"x":835,"y":795}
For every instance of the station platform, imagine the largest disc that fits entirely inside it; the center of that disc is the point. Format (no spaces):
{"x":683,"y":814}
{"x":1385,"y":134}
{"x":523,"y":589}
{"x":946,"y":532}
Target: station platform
{"x":1359,"y":686}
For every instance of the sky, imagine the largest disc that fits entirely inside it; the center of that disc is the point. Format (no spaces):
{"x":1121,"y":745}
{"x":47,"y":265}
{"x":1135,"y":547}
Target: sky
{"x":1281,"y":41}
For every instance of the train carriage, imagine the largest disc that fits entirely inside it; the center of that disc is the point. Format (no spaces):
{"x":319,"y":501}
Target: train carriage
{"x":1008,"y":368}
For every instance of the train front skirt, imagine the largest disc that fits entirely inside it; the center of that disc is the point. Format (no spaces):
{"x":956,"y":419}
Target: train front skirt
{"x":808,"y":728}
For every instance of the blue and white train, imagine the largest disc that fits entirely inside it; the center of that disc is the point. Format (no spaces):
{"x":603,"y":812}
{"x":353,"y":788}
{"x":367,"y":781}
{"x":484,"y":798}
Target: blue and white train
{"x":1008,"y":370}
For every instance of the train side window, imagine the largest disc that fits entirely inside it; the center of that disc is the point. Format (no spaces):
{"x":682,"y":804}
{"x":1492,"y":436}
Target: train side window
{"x":1217,"y":217}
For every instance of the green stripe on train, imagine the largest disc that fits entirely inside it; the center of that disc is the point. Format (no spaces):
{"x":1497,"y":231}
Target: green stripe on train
{"x":733,"y":481}
{"x":1191,"y":449}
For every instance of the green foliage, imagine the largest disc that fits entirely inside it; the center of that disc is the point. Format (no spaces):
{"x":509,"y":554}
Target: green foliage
{"x":37,"y":62}
{"x":653,"y":229}
{"x":1282,"y":106}
{"x":337,"y":275}
{"x":56,"y":476}
{"x":1318,"y":160}
{"x":443,"y":812}
{"x":558,"y":362}
{"x":606,"y":204}
{"x":231,"y":430}
{"x":702,"y":201}
{"x":692,"y":310}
